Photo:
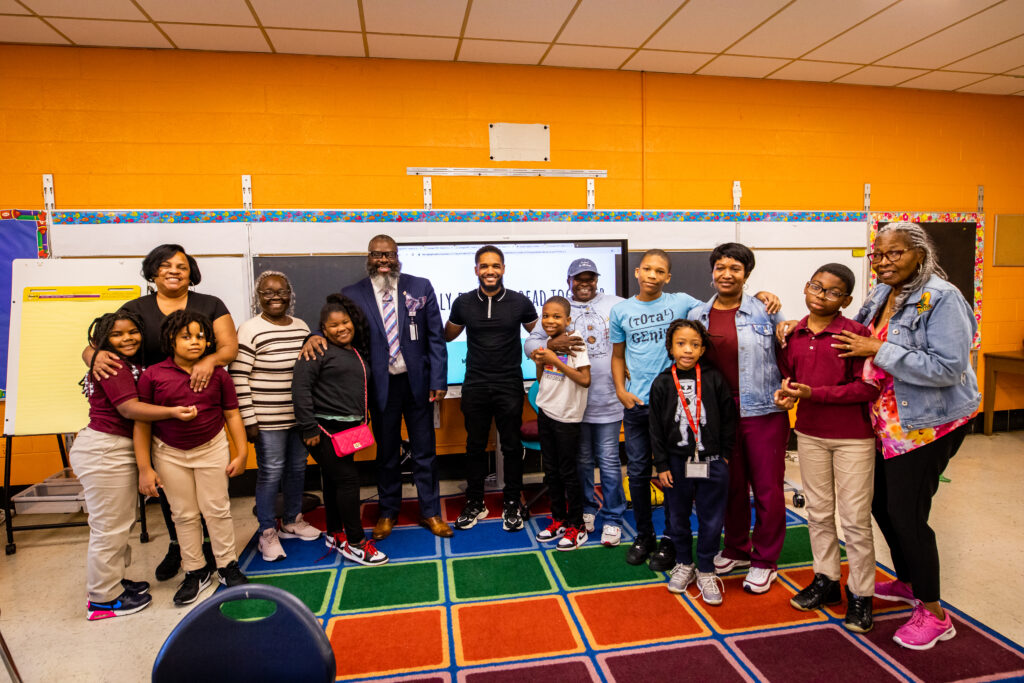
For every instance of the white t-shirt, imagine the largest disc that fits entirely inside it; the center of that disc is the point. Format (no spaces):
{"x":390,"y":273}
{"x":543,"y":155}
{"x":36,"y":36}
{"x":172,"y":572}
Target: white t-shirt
{"x":559,"y":397}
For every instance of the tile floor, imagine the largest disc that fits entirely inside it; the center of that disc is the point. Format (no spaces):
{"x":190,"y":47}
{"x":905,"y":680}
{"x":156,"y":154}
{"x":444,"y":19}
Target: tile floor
{"x":978,"y":516}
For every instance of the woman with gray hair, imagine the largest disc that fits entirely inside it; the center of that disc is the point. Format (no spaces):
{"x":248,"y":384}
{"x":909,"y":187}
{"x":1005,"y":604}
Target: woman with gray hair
{"x":919,"y":353}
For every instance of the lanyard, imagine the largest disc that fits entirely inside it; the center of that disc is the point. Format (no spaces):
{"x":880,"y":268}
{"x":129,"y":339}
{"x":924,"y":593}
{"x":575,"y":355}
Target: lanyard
{"x":682,"y":400}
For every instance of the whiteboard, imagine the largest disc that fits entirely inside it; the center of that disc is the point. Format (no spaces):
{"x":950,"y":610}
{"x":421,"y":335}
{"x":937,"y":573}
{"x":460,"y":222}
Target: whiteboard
{"x":784,"y":272}
{"x":137,"y":239}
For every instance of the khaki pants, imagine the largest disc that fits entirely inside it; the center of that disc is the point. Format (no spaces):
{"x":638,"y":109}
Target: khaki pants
{"x":105,"y":464}
{"x":195,"y":483}
{"x":846,"y":467}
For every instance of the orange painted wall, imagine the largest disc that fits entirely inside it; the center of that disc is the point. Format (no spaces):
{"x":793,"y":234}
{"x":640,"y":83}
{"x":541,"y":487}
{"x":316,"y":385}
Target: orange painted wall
{"x":162,"y":129}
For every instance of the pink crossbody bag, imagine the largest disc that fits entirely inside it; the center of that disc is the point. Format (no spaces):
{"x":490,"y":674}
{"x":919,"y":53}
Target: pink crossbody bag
{"x":348,"y":441}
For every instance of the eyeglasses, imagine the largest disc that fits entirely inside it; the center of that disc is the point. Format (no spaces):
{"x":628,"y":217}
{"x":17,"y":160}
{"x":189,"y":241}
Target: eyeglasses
{"x":830,"y":294}
{"x":892,"y":256}
{"x":383,"y":254}
{"x":275,"y":293}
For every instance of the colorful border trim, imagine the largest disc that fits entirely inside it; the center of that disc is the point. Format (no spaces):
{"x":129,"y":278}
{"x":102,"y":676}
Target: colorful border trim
{"x":943,"y":217}
{"x":39,"y":217}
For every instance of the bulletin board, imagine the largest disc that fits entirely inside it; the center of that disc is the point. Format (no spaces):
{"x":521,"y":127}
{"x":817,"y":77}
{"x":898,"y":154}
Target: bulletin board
{"x":22,"y":235}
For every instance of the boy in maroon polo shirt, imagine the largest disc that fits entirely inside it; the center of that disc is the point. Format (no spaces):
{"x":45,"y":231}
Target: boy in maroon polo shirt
{"x":835,"y":443}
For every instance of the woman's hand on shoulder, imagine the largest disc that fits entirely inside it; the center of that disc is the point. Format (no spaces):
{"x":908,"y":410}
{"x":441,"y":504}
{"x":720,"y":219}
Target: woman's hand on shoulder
{"x":314,"y":346}
{"x":772,"y":304}
{"x":783,"y":329}
{"x":202,"y":371}
{"x":854,"y":345}
{"x":105,"y":364}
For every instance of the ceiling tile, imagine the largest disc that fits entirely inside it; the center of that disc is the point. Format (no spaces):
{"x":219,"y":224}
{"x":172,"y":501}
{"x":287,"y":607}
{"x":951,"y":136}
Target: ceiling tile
{"x":230,"y":38}
{"x":200,"y":11}
{"x":111,"y":33}
{"x":942,"y":80}
{"x":501,"y":51}
{"x":537,"y":20}
{"x":899,"y":25}
{"x":742,"y":67}
{"x":879,"y":75}
{"x":804,"y":25}
{"x":94,"y":9}
{"x":997,"y":59}
{"x":667,"y":62}
{"x":804,"y":70}
{"x":617,"y":23}
{"x":712,"y":25}
{"x":316,"y":42}
{"x":983,"y":30}
{"x":27,"y":30}
{"x":587,"y":57}
{"x":412,"y":47}
{"x":415,"y":17}
{"x":997,"y":85}
{"x":11,"y":7}
{"x":326,"y":15}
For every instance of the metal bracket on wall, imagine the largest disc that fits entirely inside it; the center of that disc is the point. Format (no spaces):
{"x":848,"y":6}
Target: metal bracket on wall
{"x":867,"y":197}
{"x":247,"y":192}
{"x":737,"y":195}
{"x":981,"y":199}
{"x":428,"y":194}
{"x":48,"y":196}
{"x":590,"y":194}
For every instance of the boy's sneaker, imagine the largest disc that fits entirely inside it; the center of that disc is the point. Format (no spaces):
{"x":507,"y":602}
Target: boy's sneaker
{"x":822,"y":591}
{"x":195,"y":583}
{"x":858,"y":613}
{"x":365,"y":553}
{"x":231,"y":575}
{"x":711,"y":588}
{"x":759,"y":579}
{"x":552,"y":532}
{"x":171,"y":563}
{"x":895,"y":591}
{"x":472,"y":511}
{"x":724,"y":565}
{"x":270,"y":546}
{"x":335,"y":541}
{"x":642,"y":547}
{"x":924,"y":630}
{"x":588,"y":522}
{"x":682,"y":576}
{"x":664,"y":558}
{"x":300,"y":529}
{"x":611,"y":535}
{"x":512,"y":516}
{"x":574,"y":537}
{"x":137,"y":587}
{"x":124,"y":604}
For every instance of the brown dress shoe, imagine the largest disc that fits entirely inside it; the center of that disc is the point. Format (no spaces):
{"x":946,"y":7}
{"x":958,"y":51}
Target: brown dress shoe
{"x":383,"y":528}
{"x":437,"y":526}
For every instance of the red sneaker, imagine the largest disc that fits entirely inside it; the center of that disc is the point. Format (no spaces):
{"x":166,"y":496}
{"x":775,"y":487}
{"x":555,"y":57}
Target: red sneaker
{"x":552,"y":532}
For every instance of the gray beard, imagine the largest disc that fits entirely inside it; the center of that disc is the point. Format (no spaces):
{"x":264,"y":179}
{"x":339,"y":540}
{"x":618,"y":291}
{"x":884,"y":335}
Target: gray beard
{"x":389,"y":281}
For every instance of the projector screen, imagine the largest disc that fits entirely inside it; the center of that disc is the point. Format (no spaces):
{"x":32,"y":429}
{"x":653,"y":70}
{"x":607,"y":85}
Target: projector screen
{"x":536,"y":269}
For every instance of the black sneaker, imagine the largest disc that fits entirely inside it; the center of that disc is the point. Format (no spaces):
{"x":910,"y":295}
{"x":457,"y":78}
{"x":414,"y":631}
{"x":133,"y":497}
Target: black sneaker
{"x":472,"y":512}
{"x":822,"y":591}
{"x":231,"y":575}
{"x":512,"y":516}
{"x":137,"y":587}
{"x":171,"y":563}
{"x":641,"y":548}
{"x":124,"y":604}
{"x":195,"y":583}
{"x":664,"y":558}
{"x":858,"y":613}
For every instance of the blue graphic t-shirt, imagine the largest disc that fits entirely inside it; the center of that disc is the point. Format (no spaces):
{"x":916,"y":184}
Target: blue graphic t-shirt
{"x":642,"y":325}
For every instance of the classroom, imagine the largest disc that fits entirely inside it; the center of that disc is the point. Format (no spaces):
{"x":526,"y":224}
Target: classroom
{"x":288,"y":135}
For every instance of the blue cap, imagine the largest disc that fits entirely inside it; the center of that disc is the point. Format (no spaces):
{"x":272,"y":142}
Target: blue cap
{"x":582,"y":265}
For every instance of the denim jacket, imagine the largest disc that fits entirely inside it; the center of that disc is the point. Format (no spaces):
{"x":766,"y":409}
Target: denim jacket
{"x":755,"y":335}
{"x":928,"y":353}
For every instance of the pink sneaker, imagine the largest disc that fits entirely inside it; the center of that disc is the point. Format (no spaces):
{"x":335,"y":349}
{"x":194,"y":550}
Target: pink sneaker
{"x":895,"y":591}
{"x":924,"y":630}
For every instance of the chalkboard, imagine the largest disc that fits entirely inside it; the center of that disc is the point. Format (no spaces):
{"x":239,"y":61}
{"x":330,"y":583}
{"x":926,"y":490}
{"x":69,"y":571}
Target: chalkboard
{"x":691,"y":273}
{"x":313,"y":278}
{"x":955,"y":243}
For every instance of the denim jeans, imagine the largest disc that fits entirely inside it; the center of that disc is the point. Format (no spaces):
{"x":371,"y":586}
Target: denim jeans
{"x":280,"y":461}
{"x":639,"y":463}
{"x":600,"y":441}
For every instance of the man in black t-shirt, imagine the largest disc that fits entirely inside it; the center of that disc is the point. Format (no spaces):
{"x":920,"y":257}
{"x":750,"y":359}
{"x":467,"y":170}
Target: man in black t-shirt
{"x":493,"y":388}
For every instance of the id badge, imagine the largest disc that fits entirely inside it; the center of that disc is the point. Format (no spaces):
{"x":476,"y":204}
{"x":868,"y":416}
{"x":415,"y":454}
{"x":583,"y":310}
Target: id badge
{"x":414,"y":332}
{"x":696,"y":470}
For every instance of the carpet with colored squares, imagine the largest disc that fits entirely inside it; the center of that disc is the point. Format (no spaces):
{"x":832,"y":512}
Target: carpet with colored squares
{"x":488,"y":605}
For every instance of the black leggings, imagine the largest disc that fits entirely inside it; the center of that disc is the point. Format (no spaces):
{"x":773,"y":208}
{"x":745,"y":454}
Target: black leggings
{"x":904,"y":487}
{"x":340,"y":485}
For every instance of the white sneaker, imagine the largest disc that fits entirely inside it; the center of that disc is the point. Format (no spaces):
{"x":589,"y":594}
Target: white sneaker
{"x":759,"y":579}
{"x":572,"y":539}
{"x":367,"y":554}
{"x":588,"y":522}
{"x":611,"y":535}
{"x":300,"y":529}
{"x":711,"y":588}
{"x":723,"y":565}
{"x":681,"y":577}
{"x":270,"y":546}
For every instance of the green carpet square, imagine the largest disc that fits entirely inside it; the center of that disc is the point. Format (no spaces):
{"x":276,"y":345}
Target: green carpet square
{"x":312,"y":588}
{"x":405,"y":584}
{"x":797,"y":547}
{"x":498,"y":575}
{"x":590,"y":567}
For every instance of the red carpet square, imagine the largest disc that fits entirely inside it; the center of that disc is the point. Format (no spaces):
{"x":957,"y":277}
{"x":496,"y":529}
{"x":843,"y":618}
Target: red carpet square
{"x":408,"y":513}
{"x":705,"y":661}
{"x":452,"y":506}
{"x":741,"y":611}
{"x":569,"y":670}
{"x":423,"y":643}
{"x":796,"y":655}
{"x":439,"y":677}
{"x":513,"y":629}
{"x":638,"y":614}
{"x":801,"y":578}
{"x":971,"y":654}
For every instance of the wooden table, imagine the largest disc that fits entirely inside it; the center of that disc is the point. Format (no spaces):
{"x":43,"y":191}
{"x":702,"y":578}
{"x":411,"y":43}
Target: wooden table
{"x":1006,"y":361}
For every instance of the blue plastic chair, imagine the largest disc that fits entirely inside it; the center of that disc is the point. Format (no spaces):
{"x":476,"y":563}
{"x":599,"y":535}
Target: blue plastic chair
{"x":288,"y":645}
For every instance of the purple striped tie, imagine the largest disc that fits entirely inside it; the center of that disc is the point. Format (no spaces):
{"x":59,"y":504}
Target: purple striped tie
{"x":390,"y":325}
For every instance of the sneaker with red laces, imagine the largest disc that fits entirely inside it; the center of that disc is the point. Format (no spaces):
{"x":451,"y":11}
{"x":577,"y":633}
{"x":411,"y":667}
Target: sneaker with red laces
{"x":552,"y":532}
{"x":924,"y":629}
{"x":365,"y":553}
{"x":895,"y":591}
{"x":573,"y":538}
{"x":335,"y":540}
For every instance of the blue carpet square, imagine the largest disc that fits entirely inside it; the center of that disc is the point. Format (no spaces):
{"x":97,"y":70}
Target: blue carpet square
{"x":489,"y":537}
{"x":411,"y":543}
{"x":301,"y":555}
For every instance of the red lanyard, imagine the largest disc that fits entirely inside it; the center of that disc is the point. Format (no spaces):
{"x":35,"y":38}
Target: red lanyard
{"x":682,"y":399}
